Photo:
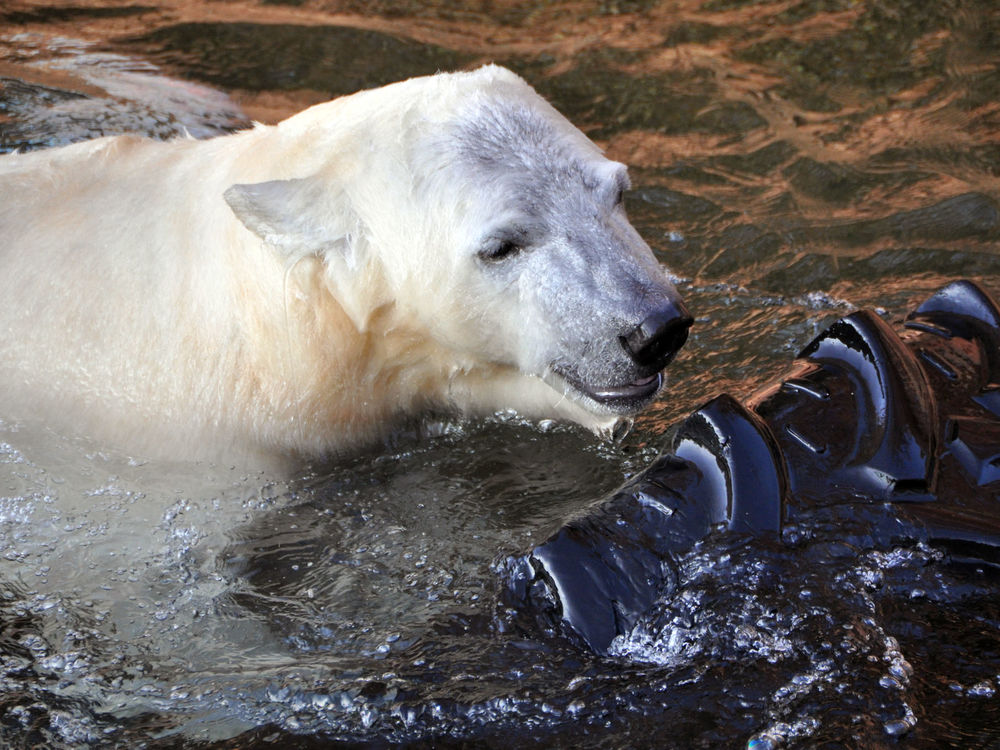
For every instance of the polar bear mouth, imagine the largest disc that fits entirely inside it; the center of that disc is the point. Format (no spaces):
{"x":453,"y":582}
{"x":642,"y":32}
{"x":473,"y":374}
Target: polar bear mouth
{"x":629,"y":397}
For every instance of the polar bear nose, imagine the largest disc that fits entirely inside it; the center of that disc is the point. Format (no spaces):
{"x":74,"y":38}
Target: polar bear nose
{"x":655,"y":341}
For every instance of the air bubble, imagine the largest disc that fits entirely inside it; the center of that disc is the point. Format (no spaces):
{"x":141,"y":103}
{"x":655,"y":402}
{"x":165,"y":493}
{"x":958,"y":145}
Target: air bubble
{"x":899,"y":727}
{"x":982,"y":689}
{"x":764,"y":742}
{"x":621,"y":429}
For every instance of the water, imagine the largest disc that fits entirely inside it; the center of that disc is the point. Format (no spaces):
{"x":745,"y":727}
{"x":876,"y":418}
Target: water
{"x":791,"y":162}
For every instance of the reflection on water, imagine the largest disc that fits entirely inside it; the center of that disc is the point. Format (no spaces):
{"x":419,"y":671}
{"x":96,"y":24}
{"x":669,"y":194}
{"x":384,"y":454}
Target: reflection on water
{"x":790,"y":161}
{"x":55,"y":90}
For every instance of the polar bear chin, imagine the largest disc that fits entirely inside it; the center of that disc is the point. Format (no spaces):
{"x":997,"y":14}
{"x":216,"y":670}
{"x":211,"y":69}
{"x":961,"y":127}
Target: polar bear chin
{"x":532,"y":397}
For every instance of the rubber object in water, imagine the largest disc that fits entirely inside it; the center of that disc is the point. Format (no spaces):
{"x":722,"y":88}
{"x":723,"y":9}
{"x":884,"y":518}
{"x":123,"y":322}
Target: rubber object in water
{"x":907,"y":421}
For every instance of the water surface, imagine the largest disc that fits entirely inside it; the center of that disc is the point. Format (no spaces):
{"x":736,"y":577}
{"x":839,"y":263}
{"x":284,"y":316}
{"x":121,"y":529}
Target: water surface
{"x":791,"y":161}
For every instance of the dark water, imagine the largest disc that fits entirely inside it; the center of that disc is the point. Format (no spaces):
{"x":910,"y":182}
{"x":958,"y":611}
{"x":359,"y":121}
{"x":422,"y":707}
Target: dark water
{"x":791,"y":161}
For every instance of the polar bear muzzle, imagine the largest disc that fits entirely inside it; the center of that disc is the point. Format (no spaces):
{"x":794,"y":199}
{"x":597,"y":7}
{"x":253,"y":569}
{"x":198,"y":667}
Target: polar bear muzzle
{"x":651,"y":345}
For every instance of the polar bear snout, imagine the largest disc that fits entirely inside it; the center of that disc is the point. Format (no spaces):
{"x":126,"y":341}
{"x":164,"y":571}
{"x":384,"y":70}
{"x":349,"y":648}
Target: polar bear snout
{"x":653,"y":343}
{"x":622,"y":374}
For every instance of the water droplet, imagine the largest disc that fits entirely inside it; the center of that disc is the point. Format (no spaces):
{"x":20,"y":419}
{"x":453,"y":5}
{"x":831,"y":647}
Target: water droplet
{"x":901,"y":669}
{"x":982,"y":689}
{"x":764,"y":742}
{"x":621,"y":429}
{"x":890,"y":683}
{"x":899,"y":727}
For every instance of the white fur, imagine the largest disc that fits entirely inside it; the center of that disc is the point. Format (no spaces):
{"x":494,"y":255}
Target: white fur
{"x":291,"y":289}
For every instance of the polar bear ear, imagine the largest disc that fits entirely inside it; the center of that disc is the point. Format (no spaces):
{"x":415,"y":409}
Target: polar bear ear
{"x":295,"y":216}
{"x":303,"y":217}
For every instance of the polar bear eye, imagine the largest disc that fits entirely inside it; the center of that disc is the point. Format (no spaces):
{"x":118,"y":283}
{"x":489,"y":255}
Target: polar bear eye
{"x":500,"y":250}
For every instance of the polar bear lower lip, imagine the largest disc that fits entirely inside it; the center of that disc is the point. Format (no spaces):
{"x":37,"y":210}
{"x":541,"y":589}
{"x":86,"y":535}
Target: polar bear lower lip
{"x":637,"y":390}
{"x":626,"y":397}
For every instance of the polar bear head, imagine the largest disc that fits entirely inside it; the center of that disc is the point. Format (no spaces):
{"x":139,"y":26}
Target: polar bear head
{"x":464,"y":209}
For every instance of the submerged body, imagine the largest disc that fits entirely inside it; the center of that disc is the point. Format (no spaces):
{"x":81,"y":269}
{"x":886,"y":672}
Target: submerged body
{"x":446,"y":243}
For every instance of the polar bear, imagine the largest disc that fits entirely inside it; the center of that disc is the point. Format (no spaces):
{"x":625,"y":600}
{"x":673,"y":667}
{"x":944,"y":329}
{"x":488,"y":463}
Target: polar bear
{"x":446,"y":243}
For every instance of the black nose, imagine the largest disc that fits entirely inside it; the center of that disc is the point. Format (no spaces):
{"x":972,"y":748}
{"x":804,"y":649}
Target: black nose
{"x":655,"y":341}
